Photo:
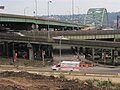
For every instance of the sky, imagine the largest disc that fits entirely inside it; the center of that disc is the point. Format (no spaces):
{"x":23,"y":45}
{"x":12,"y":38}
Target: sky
{"x":57,"y":7}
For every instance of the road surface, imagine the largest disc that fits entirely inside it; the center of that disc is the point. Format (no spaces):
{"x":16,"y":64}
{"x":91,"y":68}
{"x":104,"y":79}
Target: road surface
{"x":97,"y":69}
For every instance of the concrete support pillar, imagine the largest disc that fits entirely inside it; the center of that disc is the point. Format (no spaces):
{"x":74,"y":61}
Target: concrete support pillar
{"x":114,"y":38}
{"x":104,"y":58}
{"x":84,"y":50}
{"x":111,"y":54}
{"x":81,"y":50}
{"x":5,"y":49}
{"x":63,"y":29}
{"x":39,"y":53}
{"x":43,"y":57}
{"x":52,"y":55}
{"x":31,"y":54}
{"x":30,"y":47}
{"x":78,"y":50}
{"x":93,"y":53}
{"x":115,"y":61}
{"x":102,"y":54}
{"x":54,"y":29}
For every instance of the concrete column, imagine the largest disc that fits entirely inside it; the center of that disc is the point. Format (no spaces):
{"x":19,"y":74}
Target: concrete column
{"x":3,"y":52}
{"x":31,"y":54}
{"x":115,"y":62}
{"x":30,"y":47}
{"x":111,"y":54}
{"x":114,"y":38}
{"x":81,"y":51}
{"x":93,"y":53}
{"x":84,"y":51}
{"x":78,"y":50}
{"x":5,"y":49}
{"x":104,"y":56}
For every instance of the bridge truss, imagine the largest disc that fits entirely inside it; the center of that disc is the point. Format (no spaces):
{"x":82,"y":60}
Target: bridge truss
{"x":97,"y":17}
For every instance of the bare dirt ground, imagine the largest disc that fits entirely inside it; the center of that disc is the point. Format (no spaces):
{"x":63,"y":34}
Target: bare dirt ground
{"x":27,"y":81}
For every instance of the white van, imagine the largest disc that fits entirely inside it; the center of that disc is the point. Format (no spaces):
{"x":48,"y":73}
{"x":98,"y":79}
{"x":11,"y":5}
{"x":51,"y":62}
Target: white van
{"x":67,"y":66}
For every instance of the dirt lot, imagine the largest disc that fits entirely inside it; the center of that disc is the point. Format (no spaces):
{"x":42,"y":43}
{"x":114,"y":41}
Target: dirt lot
{"x":27,"y":81}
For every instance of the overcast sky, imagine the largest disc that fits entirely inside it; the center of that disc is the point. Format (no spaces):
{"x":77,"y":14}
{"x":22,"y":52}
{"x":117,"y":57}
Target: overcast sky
{"x":57,"y":7}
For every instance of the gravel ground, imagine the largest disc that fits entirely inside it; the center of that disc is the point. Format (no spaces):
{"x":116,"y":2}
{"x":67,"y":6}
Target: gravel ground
{"x":27,"y":81}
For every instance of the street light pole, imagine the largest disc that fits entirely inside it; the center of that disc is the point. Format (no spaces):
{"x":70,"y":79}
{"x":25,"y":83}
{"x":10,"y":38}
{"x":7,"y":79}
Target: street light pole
{"x":36,"y":13}
{"x":73,"y":12}
{"x":13,"y":46}
{"x":60,"y":47}
{"x":36,"y":7}
{"x":48,"y":21}
{"x":25,"y":16}
{"x":78,"y":17}
{"x":25,"y":11}
{"x":60,"y":38}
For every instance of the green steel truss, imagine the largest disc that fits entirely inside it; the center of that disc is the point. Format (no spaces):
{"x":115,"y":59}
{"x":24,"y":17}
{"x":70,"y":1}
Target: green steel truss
{"x":97,"y":17}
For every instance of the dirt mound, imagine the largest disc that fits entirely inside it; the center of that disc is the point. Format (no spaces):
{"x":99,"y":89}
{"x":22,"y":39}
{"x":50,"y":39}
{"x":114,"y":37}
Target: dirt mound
{"x":27,"y":81}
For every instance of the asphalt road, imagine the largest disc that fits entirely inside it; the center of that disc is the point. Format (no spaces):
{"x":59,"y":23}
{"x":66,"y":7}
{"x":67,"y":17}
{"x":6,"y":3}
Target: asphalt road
{"x":94,"y":70}
{"x":98,"y":70}
{"x":101,"y":70}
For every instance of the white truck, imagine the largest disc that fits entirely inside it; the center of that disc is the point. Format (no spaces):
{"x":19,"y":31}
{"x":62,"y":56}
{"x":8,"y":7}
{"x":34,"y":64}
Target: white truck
{"x":67,"y":66}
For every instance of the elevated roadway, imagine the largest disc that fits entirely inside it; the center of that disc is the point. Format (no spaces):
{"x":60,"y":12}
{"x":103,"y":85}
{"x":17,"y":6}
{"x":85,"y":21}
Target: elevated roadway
{"x":79,"y":35}
{"x":29,"y":22}
{"x":41,"y":38}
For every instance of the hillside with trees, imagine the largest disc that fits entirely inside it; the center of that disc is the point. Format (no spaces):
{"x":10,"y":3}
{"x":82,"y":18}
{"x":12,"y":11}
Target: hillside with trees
{"x":79,"y":18}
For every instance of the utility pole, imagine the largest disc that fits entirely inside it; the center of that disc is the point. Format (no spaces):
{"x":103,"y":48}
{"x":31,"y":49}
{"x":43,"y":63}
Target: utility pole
{"x":25,"y":17}
{"x":73,"y":12}
{"x":48,"y":21}
{"x":36,"y":26}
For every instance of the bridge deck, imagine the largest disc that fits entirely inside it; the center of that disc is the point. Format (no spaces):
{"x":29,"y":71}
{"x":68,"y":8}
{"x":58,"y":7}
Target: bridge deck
{"x":37,"y":20}
{"x":41,"y":37}
{"x":79,"y":35}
